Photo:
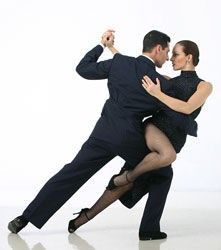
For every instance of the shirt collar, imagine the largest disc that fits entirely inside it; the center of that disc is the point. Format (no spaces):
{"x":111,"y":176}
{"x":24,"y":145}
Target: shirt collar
{"x":148,"y":58}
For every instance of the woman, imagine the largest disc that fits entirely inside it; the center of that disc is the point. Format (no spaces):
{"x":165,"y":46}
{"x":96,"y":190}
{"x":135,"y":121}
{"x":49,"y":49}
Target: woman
{"x":162,"y":138}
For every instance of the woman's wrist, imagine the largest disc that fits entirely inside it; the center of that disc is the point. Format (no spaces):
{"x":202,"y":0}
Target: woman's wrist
{"x":156,"y":94}
{"x":112,"y":49}
{"x":159,"y":95}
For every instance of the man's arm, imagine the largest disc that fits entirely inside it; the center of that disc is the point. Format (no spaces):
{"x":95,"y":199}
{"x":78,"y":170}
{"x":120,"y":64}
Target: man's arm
{"x":90,"y":69}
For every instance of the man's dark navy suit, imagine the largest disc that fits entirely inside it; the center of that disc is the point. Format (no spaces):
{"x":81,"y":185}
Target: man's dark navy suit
{"x":118,"y":132}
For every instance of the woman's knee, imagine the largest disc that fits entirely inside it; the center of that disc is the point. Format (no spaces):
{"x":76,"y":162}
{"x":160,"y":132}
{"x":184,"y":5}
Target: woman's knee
{"x":168,"y":157}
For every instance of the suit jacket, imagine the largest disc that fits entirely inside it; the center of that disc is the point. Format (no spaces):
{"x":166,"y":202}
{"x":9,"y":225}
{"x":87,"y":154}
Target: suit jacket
{"x":124,"y":76}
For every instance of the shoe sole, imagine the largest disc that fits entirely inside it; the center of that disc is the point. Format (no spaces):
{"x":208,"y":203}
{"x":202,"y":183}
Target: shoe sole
{"x":152,"y":238}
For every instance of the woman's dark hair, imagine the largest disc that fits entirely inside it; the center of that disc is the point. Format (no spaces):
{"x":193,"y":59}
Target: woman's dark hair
{"x":154,"y":38}
{"x":190,"y":48}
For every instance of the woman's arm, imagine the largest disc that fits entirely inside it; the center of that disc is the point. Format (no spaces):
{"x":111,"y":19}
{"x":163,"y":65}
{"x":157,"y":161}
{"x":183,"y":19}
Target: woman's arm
{"x":110,"y":45}
{"x":113,"y":50}
{"x":204,"y":89}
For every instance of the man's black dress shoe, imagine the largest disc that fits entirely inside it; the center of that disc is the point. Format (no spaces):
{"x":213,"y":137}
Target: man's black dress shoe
{"x":17,"y":224}
{"x":152,"y":235}
{"x":111,"y":185}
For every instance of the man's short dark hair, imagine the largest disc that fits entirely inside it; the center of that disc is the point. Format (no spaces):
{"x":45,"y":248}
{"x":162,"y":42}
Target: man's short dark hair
{"x":154,"y":38}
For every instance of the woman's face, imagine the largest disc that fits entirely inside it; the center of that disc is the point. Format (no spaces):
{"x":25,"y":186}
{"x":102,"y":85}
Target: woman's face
{"x":179,"y":60}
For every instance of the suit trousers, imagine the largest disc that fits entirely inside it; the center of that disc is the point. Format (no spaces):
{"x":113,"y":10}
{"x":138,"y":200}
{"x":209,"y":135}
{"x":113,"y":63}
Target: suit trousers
{"x":93,"y":155}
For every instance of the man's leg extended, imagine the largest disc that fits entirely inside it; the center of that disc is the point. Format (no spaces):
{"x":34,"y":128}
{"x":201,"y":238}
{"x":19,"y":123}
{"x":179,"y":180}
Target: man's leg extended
{"x":93,"y":155}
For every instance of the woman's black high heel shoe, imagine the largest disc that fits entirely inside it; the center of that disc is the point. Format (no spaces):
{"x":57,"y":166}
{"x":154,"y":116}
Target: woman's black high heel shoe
{"x":71,"y":226}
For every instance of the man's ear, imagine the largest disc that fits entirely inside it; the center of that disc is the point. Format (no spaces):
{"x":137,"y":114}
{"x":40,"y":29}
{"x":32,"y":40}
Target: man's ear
{"x":158,"y":48}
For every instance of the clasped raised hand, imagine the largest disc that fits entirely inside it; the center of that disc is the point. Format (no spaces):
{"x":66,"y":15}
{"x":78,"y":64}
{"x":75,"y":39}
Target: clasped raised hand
{"x":107,"y":38}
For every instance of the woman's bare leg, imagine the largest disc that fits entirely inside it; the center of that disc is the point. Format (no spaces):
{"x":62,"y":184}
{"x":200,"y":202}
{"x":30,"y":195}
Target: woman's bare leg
{"x":162,"y":155}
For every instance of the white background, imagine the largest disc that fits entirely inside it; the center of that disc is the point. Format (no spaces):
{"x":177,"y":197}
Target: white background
{"x":48,"y":111}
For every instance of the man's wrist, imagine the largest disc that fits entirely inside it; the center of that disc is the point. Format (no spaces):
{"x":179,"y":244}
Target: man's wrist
{"x":103,"y":46}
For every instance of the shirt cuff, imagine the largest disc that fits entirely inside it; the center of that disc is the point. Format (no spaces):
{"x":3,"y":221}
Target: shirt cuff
{"x":101,"y":44}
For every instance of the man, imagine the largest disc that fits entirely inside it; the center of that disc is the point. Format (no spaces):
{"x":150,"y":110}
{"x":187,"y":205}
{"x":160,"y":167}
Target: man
{"x":118,"y":132}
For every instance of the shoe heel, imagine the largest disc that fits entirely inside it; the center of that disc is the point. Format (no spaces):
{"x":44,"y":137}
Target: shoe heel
{"x":71,"y":225}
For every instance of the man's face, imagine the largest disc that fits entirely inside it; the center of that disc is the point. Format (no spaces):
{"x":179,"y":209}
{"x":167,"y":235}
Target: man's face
{"x":162,"y":55}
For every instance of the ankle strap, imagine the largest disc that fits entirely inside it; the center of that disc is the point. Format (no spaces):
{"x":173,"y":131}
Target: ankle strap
{"x":85,"y":212}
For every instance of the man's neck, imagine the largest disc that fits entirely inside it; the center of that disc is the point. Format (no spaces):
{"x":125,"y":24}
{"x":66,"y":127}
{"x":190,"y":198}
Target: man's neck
{"x":149,"y":56}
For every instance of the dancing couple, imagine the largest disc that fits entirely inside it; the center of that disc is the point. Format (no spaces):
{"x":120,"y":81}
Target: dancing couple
{"x":148,"y":147}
